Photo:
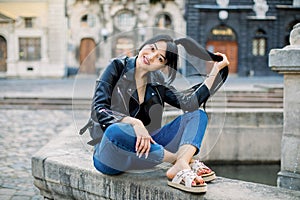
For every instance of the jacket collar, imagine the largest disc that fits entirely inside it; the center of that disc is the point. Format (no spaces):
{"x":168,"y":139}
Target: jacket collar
{"x":130,"y":68}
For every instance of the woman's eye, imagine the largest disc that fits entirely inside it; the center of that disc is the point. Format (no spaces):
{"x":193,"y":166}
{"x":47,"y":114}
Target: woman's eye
{"x":161,"y":60}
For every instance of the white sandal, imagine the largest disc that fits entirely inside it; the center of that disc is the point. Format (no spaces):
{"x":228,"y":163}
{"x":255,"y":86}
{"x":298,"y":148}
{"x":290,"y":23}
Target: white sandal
{"x":197,"y":166}
{"x":184,"y":180}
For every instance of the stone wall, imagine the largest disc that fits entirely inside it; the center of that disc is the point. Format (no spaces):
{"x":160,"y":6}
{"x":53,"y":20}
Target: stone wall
{"x":63,"y":169}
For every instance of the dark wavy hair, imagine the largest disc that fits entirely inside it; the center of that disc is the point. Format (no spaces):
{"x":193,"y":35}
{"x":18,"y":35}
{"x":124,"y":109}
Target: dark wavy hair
{"x":171,"y":53}
{"x":192,"y":48}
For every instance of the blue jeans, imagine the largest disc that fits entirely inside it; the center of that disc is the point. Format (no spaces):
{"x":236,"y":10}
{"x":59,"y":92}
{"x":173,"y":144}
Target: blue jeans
{"x":116,"y":151}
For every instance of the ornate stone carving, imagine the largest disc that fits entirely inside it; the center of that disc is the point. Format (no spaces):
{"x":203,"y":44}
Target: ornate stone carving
{"x":260,"y":8}
{"x":295,"y":35}
{"x":223,"y":3}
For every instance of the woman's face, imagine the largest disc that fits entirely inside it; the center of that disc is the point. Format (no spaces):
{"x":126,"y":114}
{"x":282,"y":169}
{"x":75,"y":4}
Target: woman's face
{"x":152,"y":57}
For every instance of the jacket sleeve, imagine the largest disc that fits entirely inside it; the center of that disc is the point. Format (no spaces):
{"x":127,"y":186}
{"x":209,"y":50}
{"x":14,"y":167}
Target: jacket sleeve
{"x":187,"y":100}
{"x":101,"y":105}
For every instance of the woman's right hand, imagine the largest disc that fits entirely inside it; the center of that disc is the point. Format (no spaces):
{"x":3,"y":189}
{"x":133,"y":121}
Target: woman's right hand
{"x":143,"y":138}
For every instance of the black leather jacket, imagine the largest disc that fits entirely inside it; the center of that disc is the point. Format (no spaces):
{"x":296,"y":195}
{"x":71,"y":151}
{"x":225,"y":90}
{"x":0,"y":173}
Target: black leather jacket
{"x":116,"y":96}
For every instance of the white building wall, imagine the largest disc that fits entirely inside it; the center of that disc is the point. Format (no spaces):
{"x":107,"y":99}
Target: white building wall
{"x":49,"y":24}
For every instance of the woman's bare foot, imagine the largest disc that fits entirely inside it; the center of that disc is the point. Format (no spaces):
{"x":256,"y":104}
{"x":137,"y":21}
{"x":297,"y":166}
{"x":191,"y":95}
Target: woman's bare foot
{"x":178,"y":166}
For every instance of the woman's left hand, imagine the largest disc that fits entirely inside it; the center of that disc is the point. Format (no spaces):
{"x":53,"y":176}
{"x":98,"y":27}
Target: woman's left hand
{"x":216,"y":69}
{"x":143,"y":138}
{"x":220,"y":65}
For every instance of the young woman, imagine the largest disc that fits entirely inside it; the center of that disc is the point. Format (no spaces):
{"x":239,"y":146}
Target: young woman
{"x":128,"y":104}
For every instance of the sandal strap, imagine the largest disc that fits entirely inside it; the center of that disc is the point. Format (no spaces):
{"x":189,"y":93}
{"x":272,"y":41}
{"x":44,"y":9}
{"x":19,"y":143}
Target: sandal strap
{"x":196,"y":165}
{"x":186,"y":175}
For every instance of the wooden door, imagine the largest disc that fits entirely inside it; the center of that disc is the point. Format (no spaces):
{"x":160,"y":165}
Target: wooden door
{"x":3,"y":54}
{"x":230,"y":48}
{"x":87,"y":56}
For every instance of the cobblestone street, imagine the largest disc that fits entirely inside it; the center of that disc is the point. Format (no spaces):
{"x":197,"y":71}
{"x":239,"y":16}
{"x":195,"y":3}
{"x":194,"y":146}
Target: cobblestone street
{"x":24,"y":132}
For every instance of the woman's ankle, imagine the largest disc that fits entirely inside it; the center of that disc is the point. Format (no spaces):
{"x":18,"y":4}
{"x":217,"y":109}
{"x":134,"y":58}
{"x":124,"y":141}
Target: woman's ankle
{"x":178,"y":166}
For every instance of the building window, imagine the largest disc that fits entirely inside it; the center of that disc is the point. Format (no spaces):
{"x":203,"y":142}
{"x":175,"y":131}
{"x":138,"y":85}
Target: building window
{"x":125,"y":20}
{"x":28,"y":22}
{"x":163,"y":21}
{"x":259,"y":44}
{"x":88,"y":21}
{"x":29,"y":49}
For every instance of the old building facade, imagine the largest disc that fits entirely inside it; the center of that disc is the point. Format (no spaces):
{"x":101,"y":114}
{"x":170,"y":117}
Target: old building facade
{"x":55,"y":38}
{"x":245,"y":30}
{"x":41,"y":38}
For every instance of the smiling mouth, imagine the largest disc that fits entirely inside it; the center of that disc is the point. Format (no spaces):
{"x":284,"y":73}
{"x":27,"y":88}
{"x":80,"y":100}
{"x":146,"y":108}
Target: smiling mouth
{"x":146,"y":60}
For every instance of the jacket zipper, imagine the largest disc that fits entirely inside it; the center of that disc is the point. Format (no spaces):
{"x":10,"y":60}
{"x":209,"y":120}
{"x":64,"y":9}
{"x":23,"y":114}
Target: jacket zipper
{"x":159,"y":96}
{"x":138,"y":105}
{"x":119,"y":91}
{"x":104,"y":110}
{"x":135,"y":114}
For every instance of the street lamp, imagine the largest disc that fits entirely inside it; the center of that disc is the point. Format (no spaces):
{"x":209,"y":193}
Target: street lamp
{"x":223,"y":15}
{"x":104,"y":33}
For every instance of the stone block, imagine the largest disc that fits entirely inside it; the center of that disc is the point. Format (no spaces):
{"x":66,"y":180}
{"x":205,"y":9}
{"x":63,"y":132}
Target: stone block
{"x":246,"y":144}
{"x":292,"y":104}
{"x":243,"y":137}
{"x":280,"y":59}
{"x":288,"y":180}
{"x":290,"y":154}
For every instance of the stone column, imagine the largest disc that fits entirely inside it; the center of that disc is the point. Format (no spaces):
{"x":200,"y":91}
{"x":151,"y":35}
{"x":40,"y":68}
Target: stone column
{"x":56,"y":38}
{"x":286,"y":61}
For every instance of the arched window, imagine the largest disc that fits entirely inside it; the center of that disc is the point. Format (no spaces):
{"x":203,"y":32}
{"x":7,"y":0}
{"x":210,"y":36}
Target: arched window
{"x":259,"y":43}
{"x":125,"y":20}
{"x":3,"y":54}
{"x":163,"y":21}
{"x":88,"y":20}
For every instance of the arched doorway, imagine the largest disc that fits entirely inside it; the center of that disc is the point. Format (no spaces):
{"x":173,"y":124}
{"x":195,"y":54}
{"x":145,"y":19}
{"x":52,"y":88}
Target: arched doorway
{"x":223,"y":39}
{"x":3,"y":54}
{"x":87,"y":56}
{"x":164,"y":21}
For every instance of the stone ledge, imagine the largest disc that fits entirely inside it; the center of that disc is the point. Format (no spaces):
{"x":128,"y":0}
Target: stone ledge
{"x":280,"y":60}
{"x":63,"y":170}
